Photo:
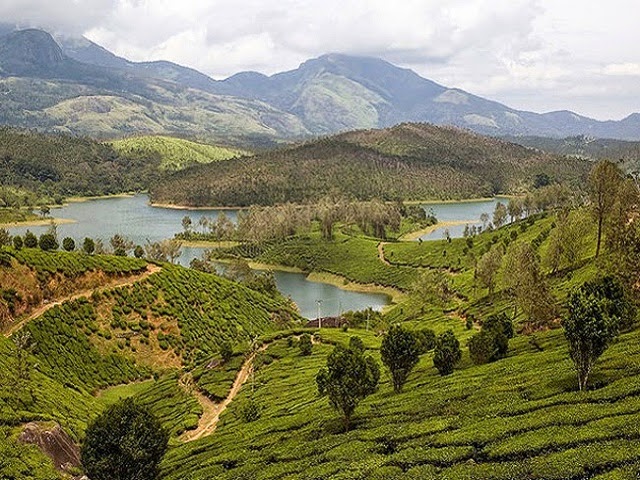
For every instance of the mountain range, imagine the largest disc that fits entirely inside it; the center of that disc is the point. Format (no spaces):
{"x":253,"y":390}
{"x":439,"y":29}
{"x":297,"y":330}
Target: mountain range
{"x":73,"y":85}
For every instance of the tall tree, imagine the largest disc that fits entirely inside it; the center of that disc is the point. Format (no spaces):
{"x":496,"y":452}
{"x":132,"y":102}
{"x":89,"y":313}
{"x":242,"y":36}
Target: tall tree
{"x":399,"y":353}
{"x":604,"y":181}
{"x":488,"y":267}
{"x":589,"y":328}
{"x":348,"y":378}
{"x":126,"y":442}
{"x":447,"y":353}
{"x":500,"y":214}
{"x":523,"y":279}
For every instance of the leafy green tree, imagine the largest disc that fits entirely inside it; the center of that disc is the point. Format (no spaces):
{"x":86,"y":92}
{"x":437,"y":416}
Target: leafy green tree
{"x":138,"y":252}
{"x":500,"y":215}
{"x":447,"y":353}
{"x":523,"y":279}
{"x":604,"y":181}
{"x":5,"y":238}
{"x":567,"y":241}
{"x":69,"y":244}
{"x":616,"y":299}
{"x":488,"y":267}
{"x":400,"y":354}
{"x":482,"y":347}
{"x":30,"y":240}
{"x":126,"y":442}
{"x":348,"y":378}
{"x":305,"y":344}
{"x":48,"y":242}
{"x":500,"y":322}
{"x":17,"y":242}
{"x":121,"y":245}
{"x":88,"y":246}
{"x":589,"y":328}
{"x":425,"y":339}
{"x":226,"y":350}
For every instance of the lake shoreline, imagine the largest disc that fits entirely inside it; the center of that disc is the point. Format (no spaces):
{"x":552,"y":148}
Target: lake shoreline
{"x":395,"y":296}
{"x":414,"y":236}
{"x":43,"y":222}
{"x":173,"y":206}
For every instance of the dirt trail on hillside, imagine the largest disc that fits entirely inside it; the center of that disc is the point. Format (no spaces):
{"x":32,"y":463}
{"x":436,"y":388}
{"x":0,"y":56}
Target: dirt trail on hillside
{"x":117,"y":282}
{"x":381,"y":254}
{"x":211,"y":410}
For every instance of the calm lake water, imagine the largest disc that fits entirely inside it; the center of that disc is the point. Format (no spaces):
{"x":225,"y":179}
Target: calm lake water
{"x":134,"y":218}
{"x":468,"y":212}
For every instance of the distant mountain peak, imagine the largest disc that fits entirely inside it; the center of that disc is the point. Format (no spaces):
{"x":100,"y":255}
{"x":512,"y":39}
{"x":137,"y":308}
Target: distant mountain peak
{"x":29,"y":51}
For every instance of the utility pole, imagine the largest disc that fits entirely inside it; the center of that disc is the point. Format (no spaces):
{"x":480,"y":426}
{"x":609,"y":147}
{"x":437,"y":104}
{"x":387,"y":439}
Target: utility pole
{"x":319,"y":302}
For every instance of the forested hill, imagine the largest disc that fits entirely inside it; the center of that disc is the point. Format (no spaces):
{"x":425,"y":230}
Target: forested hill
{"x":62,"y":165}
{"x":409,"y":162}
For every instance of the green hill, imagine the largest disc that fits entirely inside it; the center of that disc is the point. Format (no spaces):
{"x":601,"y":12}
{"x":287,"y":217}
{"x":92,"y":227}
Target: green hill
{"x":63,"y":165}
{"x":409,"y":162}
{"x":168,"y":325}
{"x":174,"y":153}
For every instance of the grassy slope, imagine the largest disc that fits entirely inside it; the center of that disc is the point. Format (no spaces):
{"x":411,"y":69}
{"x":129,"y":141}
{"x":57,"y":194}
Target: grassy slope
{"x":410,"y":161}
{"x":516,"y":418}
{"x":175,"y":318}
{"x":175,"y":153}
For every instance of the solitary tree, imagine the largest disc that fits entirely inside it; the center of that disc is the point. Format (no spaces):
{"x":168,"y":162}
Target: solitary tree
{"x":69,"y":244}
{"x":226,"y":351}
{"x":500,"y":214}
{"x":305,"y":344}
{"x":138,"y":252}
{"x":126,"y":442}
{"x":523,"y":279}
{"x":47,"y":242}
{"x":400,"y":353}
{"x":5,"y":238}
{"x":30,"y":240}
{"x":604,"y":180}
{"x":88,"y":245}
{"x":17,"y":242}
{"x":488,"y":268}
{"x":348,"y":378}
{"x":589,"y":328}
{"x":492,"y":342}
{"x":187,"y":224}
{"x":447,"y":353}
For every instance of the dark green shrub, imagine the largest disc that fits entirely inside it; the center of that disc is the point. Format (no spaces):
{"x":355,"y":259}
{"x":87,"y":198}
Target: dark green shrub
{"x":126,"y":442}
{"x":447,"y":353}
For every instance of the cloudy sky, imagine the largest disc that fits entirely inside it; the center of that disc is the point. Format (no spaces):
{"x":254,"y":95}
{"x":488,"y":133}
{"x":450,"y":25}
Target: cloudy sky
{"x":538,"y":55}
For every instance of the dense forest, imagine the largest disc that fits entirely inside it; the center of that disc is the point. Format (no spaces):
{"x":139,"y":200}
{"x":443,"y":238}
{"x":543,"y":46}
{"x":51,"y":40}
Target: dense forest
{"x":57,"y":166}
{"x":625,"y":153}
{"x":408,"y":162}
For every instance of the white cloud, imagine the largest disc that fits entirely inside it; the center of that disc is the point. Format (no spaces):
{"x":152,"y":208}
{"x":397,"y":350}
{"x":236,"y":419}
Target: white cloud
{"x":622,"y":69}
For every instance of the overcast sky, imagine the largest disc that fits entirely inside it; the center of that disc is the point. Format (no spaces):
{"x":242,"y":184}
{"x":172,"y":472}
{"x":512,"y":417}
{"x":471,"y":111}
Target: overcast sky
{"x":538,"y":55}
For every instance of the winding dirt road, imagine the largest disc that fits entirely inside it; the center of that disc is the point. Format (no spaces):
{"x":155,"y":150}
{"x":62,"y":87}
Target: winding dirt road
{"x":211,"y":410}
{"x":117,"y":282}
{"x":381,"y":254}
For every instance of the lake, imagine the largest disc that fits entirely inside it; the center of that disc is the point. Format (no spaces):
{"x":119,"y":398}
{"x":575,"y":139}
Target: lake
{"x":134,"y":218}
{"x":468,"y":212}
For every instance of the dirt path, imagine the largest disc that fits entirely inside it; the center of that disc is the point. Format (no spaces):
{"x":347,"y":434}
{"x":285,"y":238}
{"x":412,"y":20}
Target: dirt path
{"x":211,"y":410}
{"x":381,"y":254}
{"x":118,"y":282}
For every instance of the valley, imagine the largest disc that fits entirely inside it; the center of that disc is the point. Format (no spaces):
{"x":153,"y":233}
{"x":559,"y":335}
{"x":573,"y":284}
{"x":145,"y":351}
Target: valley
{"x":340,"y":271}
